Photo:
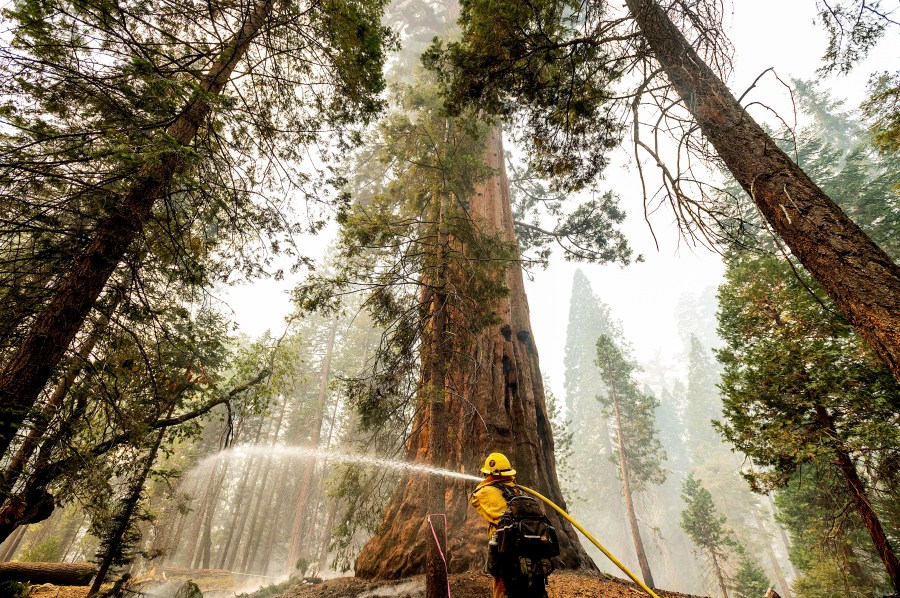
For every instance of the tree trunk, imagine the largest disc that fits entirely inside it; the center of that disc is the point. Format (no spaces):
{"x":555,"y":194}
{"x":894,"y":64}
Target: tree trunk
{"x":861,"y":500}
{"x":629,"y":500}
{"x":720,"y":576}
{"x":857,"y":274}
{"x":123,"y":518}
{"x":254,"y":538}
{"x":498,"y":406}
{"x":12,"y":543}
{"x":435,"y":390}
{"x":49,"y":410}
{"x":29,"y":368}
{"x":299,"y":523}
{"x":60,"y":574}
{"x":776,"y":566}
{"x":784,"y":538}
{"x":226,"y":558}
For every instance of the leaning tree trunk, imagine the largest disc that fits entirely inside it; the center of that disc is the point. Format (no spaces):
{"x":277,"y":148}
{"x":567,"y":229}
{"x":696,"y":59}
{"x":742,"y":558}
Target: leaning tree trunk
{"x":629,"y":499}
{"x":860,"y":498}
{"x":114,"y":542}
{"x":720,"y":576}
{"x":29,"y":368}
{"x":500,"y":407}
{"x":857,"y":274}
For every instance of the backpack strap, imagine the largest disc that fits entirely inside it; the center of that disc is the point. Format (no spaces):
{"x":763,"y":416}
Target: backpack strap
{"x":508,"y":491}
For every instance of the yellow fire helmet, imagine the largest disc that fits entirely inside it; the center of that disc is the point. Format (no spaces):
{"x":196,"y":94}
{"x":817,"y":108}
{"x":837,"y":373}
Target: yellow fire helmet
{"x":497,"y":464}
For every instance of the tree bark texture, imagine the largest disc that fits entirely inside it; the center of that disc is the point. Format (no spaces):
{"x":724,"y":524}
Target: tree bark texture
{"x":436,"y":388}
{"x":500,"y":406}
{"x":857,"y":274}
{"x":41,"y":423}
{"x":60,"y":574}
{"x":29,"y":368}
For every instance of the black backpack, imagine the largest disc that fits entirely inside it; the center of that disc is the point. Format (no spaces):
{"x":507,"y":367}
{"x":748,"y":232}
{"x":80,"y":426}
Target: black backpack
{"x":524,"y":530}
{"x":523,"y":545}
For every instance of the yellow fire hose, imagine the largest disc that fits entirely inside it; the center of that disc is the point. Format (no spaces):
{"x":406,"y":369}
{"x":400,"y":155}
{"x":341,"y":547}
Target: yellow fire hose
{"x":587,"y":535}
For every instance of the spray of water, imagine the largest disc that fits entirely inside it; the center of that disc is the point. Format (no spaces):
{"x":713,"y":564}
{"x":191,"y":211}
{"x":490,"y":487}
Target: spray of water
{"x":332,"y":455}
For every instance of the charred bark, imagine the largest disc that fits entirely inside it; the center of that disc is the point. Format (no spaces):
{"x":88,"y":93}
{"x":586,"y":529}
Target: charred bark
{"x":857,"y":274}
{"x":500,"y":406}
{"x":29,"y":368}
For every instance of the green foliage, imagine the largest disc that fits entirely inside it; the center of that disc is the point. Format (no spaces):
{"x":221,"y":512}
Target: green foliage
{"x":702,"y":398}
{"x":701,"y":521}
{"x":643,"y":452}
{"x":854,"y":27}
{"x":409,"y":235}
{"x":799,"y":386}
{"x":834,"y":555}
{"x":543,"y":63}
{"x":588,"y":232}
{"x":750,"y":581}
{"x":788,"y":356}
{"x":49,"y":550}
{"x":882,"y":110}
{"x":837,"y":152}
{"x":563,"y":438}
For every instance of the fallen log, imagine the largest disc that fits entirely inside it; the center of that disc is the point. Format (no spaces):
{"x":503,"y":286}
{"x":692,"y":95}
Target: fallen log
{"x":59,"y":574}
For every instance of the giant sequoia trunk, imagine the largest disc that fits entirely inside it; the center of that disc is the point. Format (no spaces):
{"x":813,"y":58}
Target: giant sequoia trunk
{"x":862,"y":280}
{"x":29,"y":368}
{"x":500,"y":407}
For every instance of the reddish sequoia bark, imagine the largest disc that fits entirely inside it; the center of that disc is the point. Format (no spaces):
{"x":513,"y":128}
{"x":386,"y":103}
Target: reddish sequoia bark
{"x":861,"y":279}
{"x":501,"y":407}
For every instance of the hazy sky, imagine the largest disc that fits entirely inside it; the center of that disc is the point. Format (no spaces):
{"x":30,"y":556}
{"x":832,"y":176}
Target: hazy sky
{"x":765,"y":33}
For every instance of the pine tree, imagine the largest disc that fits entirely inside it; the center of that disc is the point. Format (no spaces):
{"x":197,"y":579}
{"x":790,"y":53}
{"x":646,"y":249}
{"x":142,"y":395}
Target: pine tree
{"x":750,"y":580}
{"x":638,"y":450}
{"x":145,"y":126}
{"x":706,"y":528}
{"x":800,"y":388}
{"x":593,"y":471}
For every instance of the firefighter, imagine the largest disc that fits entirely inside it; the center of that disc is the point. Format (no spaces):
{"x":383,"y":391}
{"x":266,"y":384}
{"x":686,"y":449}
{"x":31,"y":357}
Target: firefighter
{"x":490,"y":502}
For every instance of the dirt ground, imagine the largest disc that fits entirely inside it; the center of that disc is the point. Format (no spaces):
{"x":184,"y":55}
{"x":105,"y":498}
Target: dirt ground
{"x":564,"y":584}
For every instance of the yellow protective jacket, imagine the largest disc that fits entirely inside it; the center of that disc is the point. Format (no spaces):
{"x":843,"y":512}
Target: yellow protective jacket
{"x":488,"y":500}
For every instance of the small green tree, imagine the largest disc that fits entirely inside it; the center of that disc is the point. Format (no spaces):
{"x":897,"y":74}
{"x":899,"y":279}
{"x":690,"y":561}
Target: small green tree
{"x":750,"y":581}
{"x":706,"y":528}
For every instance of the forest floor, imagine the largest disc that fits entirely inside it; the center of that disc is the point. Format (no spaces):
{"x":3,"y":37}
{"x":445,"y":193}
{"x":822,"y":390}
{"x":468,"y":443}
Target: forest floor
{"x":563,"y":584}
